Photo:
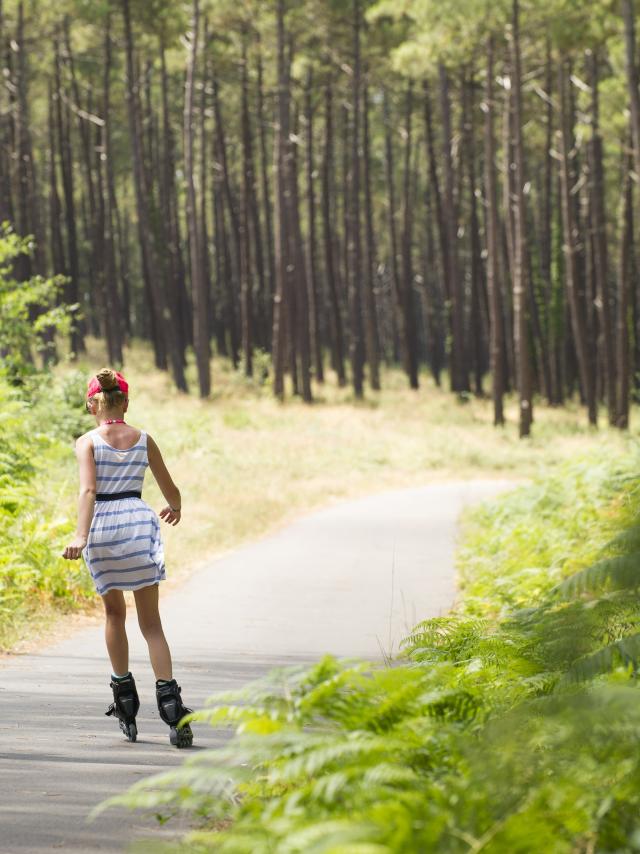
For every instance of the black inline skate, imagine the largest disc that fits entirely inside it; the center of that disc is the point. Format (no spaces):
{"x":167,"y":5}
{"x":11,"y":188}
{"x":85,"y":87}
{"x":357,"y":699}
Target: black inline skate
{"x":125,"y":705}
{"x":172,"y":710}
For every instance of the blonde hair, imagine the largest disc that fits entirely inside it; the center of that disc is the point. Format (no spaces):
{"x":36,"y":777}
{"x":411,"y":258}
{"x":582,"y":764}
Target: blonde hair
{"x":111,"y":396}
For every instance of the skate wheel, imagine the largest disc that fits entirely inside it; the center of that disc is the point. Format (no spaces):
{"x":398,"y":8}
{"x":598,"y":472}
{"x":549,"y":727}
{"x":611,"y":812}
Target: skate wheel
{"x":130,"y":730}
{"x":181,"y":737}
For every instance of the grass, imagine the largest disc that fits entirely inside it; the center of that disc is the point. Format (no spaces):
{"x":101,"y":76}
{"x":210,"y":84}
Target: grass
{"x":246,"y":463}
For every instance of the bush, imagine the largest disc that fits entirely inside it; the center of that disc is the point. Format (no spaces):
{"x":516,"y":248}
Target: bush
{"x":30,"y":313}
{"x":36,"y":508}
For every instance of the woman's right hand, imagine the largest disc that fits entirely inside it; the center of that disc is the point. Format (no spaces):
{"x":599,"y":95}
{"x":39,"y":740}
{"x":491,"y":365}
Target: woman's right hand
{"x":170,"y":515}
{"x":74,"y":549}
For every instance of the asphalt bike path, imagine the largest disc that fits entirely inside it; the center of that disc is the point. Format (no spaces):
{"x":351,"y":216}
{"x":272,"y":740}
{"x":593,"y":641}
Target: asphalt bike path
{"x":350,"y":580}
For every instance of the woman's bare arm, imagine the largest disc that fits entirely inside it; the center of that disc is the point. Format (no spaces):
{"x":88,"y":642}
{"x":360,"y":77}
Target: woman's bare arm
{"x":171,"y":513}
{"x":86,"y":498}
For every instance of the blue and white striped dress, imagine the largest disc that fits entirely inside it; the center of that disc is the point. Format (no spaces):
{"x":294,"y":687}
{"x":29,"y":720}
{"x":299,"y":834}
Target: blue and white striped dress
{"x":124,"y":547}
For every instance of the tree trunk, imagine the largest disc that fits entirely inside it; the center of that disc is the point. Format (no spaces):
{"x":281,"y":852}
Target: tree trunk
{"x":354,"y":245}
{"x":337,"y":337}
{"x":266,"y":201}
{"x":396,"y":275}
{"x":496,"y":343}
{"x":300,"y":314}
{"x":280,"y":230}
{"x":371,"y":329}
{"x":198,"y":283}
{"x":104,"y":168}
{"x":72,"y":291}
{"x":622,"y":317}
{"x":521,"y":328}
{"x":459,"y":371}
{"x":246,"y":303}
{"x":177,"y":289}
{"x":599,"y":219}
{"x":576,"y":304}
{"x":312,"y":243}
{"x":477,"y":324}
{"x":408,"y":308}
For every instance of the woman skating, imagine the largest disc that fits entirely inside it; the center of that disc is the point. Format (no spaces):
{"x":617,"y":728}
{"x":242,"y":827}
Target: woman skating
{"x":118,"y":535}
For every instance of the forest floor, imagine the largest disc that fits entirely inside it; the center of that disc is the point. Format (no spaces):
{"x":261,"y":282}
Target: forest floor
{"x":247,"y":464}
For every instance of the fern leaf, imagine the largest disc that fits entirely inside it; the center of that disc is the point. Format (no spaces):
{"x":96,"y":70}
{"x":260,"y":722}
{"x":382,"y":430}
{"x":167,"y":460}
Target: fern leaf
{"x":623,"y":652}
{"x":616,"y":573}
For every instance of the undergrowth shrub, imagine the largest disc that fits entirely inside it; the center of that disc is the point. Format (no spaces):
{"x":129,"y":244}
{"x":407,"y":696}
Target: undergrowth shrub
{"x":37,"y":415}
{"x":511,"y":725}
{"x":37,"y":504}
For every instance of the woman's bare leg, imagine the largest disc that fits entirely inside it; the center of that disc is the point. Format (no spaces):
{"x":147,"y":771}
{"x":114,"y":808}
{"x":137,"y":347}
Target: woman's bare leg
{"x":151,"y":628}
{"x":115,"y":634}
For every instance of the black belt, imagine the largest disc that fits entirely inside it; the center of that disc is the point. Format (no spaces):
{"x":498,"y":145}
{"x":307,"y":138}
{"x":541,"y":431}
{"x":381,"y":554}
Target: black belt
{"x":113,"y":496}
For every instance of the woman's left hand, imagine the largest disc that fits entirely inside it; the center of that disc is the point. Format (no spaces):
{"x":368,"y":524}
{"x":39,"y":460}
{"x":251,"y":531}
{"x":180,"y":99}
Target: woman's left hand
{"x":169,"y":515}
{"x":74,"y":549}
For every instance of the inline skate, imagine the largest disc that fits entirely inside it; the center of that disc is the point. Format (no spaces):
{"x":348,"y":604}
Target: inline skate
{"x":172,"y":710}
{"x":125,"y":705}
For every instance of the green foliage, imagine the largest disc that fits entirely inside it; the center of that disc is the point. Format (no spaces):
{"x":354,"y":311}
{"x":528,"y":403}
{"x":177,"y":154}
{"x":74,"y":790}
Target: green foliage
{"x":504,"y":728}
{"x":36,"y":509}
{"x":28,"y":310}
{"x":36,"y":413}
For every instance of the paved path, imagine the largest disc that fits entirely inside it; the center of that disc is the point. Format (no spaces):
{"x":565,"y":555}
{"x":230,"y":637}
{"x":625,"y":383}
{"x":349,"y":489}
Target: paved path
{"x":350,"y":580}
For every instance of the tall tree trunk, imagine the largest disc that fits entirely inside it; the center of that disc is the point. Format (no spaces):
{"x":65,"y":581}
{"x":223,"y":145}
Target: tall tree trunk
{"x":459,"y":370}
{"x":622,"y":316}
{"x":546,"y":247}
{"x":337,"y":337}
{"x":371,"y":329}
{"x":262,"y":322}
{"x":300,"y":323}
{"x":280,"y":230}
{"x":356,"y":349}
{"x":496,"y":343}
{"x":396,"y":275}
{"x":408,"y":308}
{"x":266,"y":200}
{"x":29,"y":221}
{"x":576,"y":300}
{"x":600,"y":253}
{"x":104,"y":168}
{"x":226,"y":270}
{"x":246,"y":303}
{"x":433,"y":301}
{"x":204,"y":178}
{"x":477,"y":324}
{"x":72,"y":291}
{"x":55,"y":208}
{"x":312,"y":244}
{"x":521,"y":327}
{"x":198,"y":284}
{"x":229,"y":194}
{"x":84,"y":128}
{"x":177,"y":290}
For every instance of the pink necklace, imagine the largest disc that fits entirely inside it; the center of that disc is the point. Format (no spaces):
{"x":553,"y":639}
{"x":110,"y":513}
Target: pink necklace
{"x":114,"y":421}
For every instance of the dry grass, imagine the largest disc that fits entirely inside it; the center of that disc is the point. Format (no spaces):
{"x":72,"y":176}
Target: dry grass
{"x":246,"y":463}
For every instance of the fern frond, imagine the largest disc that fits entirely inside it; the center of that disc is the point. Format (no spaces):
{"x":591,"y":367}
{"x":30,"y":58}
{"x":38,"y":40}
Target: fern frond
{"x":624,"y":652}
{"x":616,"y":573}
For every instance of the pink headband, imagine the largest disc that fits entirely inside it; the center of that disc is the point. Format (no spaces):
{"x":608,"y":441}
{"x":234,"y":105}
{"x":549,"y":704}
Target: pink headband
{"x":95,"y":387}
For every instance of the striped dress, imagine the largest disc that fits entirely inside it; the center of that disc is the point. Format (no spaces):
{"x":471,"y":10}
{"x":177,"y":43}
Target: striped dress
{"x":124,"y":548}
